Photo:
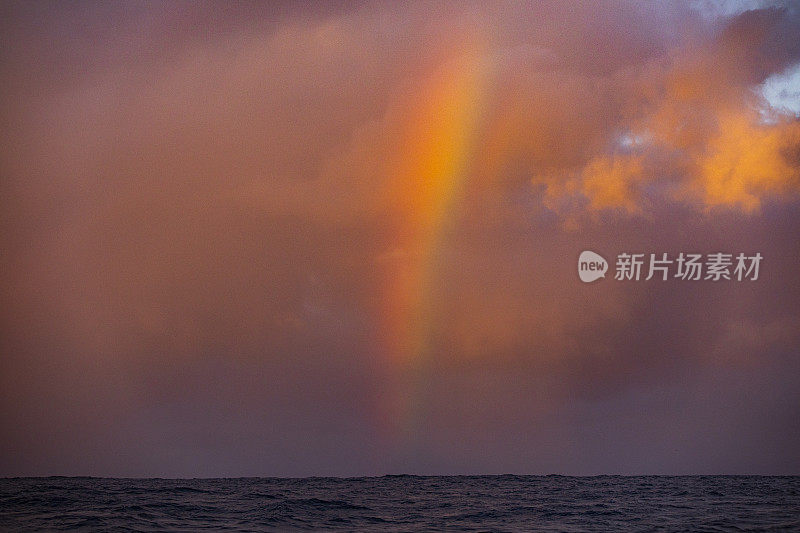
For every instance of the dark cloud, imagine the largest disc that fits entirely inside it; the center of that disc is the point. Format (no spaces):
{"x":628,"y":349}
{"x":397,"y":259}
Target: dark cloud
{"x":197,"y":237}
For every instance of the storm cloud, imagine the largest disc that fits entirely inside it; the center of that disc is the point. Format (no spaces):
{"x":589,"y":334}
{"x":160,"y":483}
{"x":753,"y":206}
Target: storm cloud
{"x":215,"y":217}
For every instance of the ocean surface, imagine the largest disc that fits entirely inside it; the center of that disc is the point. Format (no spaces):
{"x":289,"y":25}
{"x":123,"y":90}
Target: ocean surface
{"x":404,"y":503}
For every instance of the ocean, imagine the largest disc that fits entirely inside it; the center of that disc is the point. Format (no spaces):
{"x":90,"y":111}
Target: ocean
{"x":404,"y":503}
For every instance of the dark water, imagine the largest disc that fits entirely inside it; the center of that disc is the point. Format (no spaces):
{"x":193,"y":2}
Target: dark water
{"x":405,"y":503}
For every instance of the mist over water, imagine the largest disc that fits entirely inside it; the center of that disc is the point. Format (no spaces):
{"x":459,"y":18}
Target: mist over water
{"x":405,"y":503}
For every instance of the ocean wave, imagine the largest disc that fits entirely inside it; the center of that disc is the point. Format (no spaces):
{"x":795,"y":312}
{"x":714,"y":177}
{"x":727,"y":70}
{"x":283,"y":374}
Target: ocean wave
{"x":404,"y":503}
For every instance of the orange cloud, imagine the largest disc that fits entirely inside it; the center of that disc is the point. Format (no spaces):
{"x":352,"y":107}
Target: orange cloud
{"x":745,"y":163}
{"x":692,"y":128}
{"x":612,"y":182}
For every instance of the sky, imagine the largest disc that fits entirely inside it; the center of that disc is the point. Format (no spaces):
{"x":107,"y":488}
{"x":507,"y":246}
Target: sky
{"x":341,"y":238}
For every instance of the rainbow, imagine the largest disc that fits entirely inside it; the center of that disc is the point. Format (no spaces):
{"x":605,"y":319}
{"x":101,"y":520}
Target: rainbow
{"x":435,"y":150}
